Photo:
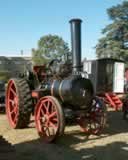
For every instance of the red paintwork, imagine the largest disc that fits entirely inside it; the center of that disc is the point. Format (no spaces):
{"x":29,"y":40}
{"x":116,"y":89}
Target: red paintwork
{"x":35,"y":94}
{"x":113,"y":100}
{"x":12,"y":103}
{"x":46,"y":118}
{"x":37,"y":69}
{"x":40,"y":72}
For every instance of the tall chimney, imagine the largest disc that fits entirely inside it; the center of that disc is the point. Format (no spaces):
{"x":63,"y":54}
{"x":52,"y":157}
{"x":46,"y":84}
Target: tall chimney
{"x":76,"y":44}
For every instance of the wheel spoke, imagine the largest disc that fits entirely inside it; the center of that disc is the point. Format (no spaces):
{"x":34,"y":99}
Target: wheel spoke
{"x":12,"y":101}
{"x":48,"y":106}
{"x":15,"y":118}
{"x":47,"y":131}
{"x":14,"y":93}
{"x":52,"y":114}
{"x":52,"y":107}
{"x":42,"y":112}
{"x":43,"y":127}
{"x":95,"y":126}
{"x":52,"y":125}
{"x":45,"y":107}
{"x":16,"y":99}
{"x":13,"y":111}
{"x":54,"y":120}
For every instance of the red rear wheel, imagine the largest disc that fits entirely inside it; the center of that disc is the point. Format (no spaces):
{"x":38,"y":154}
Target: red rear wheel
{"x":18,"y":103}
{"x":12,"y":103}
{"x":49,"y":118}
{"x":95,"y":120}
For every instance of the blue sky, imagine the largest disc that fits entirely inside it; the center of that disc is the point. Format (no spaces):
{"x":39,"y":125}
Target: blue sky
{"x":23,"y":22}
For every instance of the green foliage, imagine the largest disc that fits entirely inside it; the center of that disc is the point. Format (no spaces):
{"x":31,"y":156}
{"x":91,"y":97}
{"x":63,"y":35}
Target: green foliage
{"x":49,"y":47}
{"x":4,"y":75}
{"x":115,"y":42}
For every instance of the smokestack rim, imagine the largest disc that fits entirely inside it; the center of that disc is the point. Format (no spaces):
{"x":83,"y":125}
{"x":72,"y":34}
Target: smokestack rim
{"x":75,"y":20}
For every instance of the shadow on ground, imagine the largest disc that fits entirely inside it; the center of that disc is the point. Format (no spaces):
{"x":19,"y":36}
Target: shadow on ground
{"x":115,"y":123}
{"x":76,"y":146}
{"x":36,"y":150}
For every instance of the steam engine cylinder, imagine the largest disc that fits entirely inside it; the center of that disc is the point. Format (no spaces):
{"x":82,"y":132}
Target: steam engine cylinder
{"x":74,"y":90}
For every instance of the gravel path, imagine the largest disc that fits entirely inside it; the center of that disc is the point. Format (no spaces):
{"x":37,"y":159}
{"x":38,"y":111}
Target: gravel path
{"x":111,"y":145}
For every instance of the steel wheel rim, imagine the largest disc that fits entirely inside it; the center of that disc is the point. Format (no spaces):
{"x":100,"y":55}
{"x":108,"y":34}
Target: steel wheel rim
{"x":97,"y":121}
{"x":12,"y":103}
{"x":46,"y":118}
{"x":93,"y":122}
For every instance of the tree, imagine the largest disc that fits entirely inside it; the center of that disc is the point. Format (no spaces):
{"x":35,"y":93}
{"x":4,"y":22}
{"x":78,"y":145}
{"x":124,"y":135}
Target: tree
{"x":115,"y":42}
{"x":49,"y":47}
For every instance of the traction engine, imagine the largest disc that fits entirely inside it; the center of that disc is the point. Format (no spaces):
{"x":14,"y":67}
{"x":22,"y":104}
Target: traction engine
{"x":56,"y":92}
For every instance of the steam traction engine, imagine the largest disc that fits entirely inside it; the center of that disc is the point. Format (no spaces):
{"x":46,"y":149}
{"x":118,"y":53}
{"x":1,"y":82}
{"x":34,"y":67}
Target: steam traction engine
{"x":56,"y":92}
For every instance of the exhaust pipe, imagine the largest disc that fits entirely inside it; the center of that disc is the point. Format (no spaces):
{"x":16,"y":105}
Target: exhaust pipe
{"x":76,"y":44}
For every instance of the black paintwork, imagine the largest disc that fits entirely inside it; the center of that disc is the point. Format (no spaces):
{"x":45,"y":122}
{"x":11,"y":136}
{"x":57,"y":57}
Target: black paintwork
{"x":73,"y":90}
{"x":2,"y":94}
{"x":76,"y":44}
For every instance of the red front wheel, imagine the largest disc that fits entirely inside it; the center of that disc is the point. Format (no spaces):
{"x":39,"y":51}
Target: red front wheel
{"x":49,"y":118}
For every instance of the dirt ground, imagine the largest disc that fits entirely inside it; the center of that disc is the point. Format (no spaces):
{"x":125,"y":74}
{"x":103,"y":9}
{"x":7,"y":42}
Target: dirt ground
{"x":74,"y":145}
